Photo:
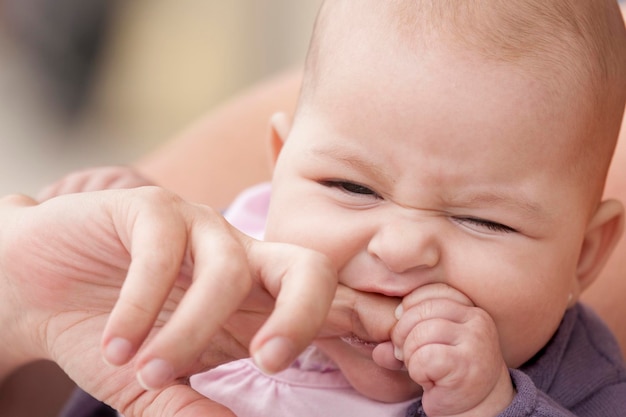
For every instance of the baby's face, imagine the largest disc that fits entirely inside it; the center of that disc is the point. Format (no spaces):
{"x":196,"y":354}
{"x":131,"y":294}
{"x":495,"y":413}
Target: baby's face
{"x":437,"y":169}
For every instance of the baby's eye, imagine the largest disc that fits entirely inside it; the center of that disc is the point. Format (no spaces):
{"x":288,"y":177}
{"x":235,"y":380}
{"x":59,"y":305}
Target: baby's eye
{"x":351,"y":188}
{"x":486,"y":224}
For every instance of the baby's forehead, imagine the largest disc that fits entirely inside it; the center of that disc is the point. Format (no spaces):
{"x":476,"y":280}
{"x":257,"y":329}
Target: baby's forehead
{"x":578,"y":36}
{"x":574,"y":47}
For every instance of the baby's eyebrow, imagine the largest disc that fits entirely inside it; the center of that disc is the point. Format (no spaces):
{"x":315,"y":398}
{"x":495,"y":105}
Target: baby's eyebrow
{"x":518,"y":201}
{"x":366,"y":163}
{"x":352,"y":158}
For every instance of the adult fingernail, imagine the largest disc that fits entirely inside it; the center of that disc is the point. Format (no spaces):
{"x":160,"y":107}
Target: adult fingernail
{"x":397,"y":353}
{"x":155,"y":374}
{"x":275,"y":355}
{"x":118,"y":351}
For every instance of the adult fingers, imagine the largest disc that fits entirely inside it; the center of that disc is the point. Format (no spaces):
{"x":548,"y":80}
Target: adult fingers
{"x":303,"y":282}
{"x":155,"y":235}
{"x":120,"y":390}
{"x":221,"y":281}
{"x":367,"y":316}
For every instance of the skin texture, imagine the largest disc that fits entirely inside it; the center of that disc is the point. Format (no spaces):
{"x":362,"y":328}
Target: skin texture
{"x":60,"y":311}
{"x":194,"y":150}
{"x":478,"y":197}
{"x":217,"y":130}
{"x":606,"y":295}
{"x":145,"y":286}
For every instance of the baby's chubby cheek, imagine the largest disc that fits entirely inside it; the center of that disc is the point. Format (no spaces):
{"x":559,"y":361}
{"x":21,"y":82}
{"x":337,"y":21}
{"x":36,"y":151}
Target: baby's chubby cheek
{"x":383,"y":356}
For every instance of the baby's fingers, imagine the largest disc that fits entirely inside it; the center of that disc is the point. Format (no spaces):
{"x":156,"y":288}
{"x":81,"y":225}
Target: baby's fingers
{"x":430,"y":292}
{"x":432,"y":321}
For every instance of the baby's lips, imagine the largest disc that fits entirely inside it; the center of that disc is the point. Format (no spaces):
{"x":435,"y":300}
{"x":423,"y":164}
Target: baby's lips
{"x":353,"y":339}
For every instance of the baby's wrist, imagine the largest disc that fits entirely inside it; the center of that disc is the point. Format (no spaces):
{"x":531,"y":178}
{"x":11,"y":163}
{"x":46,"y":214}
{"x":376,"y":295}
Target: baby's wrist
{"x":492,"y":404}
{"x":500,"y":397}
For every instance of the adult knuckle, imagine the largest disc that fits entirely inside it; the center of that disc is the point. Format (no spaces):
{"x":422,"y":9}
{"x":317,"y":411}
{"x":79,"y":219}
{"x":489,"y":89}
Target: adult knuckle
{"x":158,"y":195}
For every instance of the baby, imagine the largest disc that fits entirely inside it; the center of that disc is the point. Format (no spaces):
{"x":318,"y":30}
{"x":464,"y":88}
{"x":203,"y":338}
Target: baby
{"x":451,"y":154}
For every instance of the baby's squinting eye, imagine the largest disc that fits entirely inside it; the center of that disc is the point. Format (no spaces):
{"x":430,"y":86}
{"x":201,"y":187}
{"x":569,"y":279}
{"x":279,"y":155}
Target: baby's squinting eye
{"x":351,"y":187}
{"x":486,"y":224}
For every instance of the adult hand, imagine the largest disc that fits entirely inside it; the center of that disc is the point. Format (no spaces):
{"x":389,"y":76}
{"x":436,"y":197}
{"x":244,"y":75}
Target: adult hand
{"x":94,"y":179}
{"x":66,"y":263}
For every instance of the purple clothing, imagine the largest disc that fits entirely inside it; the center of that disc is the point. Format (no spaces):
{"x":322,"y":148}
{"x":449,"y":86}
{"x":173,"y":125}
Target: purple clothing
{"x":579,"y":373}
{"x":82,"y":404}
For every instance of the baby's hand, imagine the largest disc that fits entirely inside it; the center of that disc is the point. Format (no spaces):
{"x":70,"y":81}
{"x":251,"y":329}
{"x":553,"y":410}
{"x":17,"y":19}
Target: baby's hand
{"x":94,"y":179}
{"x":451,"y":348}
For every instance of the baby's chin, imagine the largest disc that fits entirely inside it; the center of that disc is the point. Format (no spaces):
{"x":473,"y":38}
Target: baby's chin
{"x":368,"y":378}
{"x":384,"y":385}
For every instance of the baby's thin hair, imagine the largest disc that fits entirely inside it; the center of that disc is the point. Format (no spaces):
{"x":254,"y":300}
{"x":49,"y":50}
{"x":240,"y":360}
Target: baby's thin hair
{"x":584,"y":37}
{"x":583,"y":41}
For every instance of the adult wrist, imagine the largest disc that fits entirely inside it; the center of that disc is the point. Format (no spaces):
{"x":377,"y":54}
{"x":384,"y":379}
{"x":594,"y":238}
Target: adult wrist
{"x":17,"y":348}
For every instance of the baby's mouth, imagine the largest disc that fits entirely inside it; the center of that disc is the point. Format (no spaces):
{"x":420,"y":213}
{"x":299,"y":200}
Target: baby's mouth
{"x":354,"y":340}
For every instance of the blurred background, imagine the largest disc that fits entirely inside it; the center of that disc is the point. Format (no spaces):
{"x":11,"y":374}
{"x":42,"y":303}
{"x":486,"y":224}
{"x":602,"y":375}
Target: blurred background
{"x":95,"y":82}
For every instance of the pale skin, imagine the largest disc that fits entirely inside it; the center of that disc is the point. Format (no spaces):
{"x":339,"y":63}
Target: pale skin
{"x":259,"y":101}
{"x":59,"y":312}
{"x":605,"y":295}
{"x":469,"y":324}
{"x":403,"y":214}
{"x":65,"y":310}
{"x":214,"y":131}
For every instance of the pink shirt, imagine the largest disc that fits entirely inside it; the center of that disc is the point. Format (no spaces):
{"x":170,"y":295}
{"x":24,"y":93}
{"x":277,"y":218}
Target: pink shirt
{"x":311,"y":387}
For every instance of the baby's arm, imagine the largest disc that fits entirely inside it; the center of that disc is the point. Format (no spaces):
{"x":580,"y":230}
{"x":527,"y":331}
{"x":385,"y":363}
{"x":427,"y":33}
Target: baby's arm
{"x":225,"y":151}
{"x":451,"y":348}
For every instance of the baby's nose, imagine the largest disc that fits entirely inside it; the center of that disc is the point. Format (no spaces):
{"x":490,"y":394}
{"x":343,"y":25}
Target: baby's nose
{"x":406,"y":244}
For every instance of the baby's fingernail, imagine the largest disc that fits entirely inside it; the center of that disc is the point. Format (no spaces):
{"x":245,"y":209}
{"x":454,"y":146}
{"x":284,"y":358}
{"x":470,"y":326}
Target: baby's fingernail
{"x":155,"y":374}
{"x":118,"y":351}
{"x":399,"y":311}
{"x":397,"y":353}
{"x":274,"y":355}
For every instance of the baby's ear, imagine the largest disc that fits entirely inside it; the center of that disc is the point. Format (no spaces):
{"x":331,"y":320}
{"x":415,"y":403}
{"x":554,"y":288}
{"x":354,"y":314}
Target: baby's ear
{"x":280,"y":125}
{"x":602,"y":235}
